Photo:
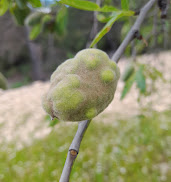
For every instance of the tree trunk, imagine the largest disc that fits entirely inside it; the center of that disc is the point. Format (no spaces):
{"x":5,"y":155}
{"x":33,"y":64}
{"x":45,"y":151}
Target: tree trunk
{"x":155,"y":42}
{"x":36,"y":57}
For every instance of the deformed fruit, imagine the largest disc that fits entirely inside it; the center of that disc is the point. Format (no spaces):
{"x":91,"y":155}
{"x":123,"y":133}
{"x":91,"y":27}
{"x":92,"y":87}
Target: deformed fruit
{"x":82,"y":87}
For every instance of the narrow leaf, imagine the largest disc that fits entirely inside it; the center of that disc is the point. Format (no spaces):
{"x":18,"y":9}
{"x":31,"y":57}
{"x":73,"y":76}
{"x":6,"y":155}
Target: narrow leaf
{"x":4,"y":4}
{"x":61,"y":20}
{"x":102,"y":18}
{"x":88,"y":6}
{"x":129,"y":70}
{"x":127,"y":86}
{"x":105,"y":29}
{"x":35,"y":3}
{"x":81,"y":4}
{"x":115,"y":16}
{"x":36,"y":30}
{"x":125,"y":4}
{"x":140,"y":79}
{"x":108,"y":9}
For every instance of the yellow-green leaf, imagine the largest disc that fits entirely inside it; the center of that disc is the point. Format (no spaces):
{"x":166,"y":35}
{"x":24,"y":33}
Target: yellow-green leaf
{"x":104,"y":31}
{"x":87,"y":5}
{"x":125,"y":4}
{"x":35,"y":3}
{"x":35,"y":31}
{"x":115,"y":16}
{"x":102,"y":18}
{"x":108,"y":9}
{"x":4,"y":4}
{"x":81,"y":4}
{"x":61,"y":20}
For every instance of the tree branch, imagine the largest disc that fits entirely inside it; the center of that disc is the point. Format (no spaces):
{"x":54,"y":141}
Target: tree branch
{"x":134,"y":30}
{"x":74,"y":150}
{"x":82,"y":126}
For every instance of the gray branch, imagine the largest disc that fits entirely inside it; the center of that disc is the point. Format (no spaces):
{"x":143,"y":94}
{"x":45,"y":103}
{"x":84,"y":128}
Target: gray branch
{"x":82,"y":126}
{"x":74,"y":150}
{"x":135,"y":28}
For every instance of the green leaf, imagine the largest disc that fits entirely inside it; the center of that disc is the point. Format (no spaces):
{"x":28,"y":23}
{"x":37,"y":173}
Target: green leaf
{"x":129,"y":70}
{"x":125,"y":4}
{"x":21,"y":3}
{"x":87,"y":5}
{"x":35,"y":3}
{"x":53,"y":122}
{"x":19,"y":14}
{"x":102,"y":18}
{"x":107,"y":9}
{"x":81,"y":4}
{"x":115,"y":16}
{"x":105,"y":18}
{"x":4,"y":4}
{"x":35,"y":31}
{"x":61,"y":20}
{"x":157,"y":74}
{"x":127,"y":86}
{"x":140,"y":79}
{"x":105,"y":29}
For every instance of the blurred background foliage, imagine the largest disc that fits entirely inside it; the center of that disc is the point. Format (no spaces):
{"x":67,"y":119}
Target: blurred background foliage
{"x":136,"y":149}
{"x":37,"y":36}
{"x":42,"y":34}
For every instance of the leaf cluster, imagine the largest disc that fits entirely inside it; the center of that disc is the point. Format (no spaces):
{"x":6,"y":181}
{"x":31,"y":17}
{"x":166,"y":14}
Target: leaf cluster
{"x":20,"y":9}
{"x":139,"y":76}
{"x":53,"y":22}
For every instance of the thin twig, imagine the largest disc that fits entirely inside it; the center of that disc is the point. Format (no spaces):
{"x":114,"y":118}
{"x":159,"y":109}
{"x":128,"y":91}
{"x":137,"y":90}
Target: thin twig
{"x":82,"y":126}
{"x":135,"y":28}
{"x":74,"y":150}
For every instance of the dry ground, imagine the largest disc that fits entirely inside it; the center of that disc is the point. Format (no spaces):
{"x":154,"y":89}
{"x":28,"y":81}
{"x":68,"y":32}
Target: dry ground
{"x":22,"y":118}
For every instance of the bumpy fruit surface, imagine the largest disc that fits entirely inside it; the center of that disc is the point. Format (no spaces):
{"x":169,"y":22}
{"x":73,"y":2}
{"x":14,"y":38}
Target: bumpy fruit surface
{"x":3,"y":82}
{"x":82,"y":87}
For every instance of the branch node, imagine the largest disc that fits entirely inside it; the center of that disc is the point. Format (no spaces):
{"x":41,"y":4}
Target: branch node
{"x":136,"y":12}
{"x":137,"y":35}
{"x":163,"y":6}
{"x":73,"y":152}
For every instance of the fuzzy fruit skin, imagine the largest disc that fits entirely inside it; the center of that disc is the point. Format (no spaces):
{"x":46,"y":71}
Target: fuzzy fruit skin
{"x":82,"y":87}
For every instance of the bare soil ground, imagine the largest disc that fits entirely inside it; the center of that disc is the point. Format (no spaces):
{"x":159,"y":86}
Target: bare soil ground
{"x":22,"y":118}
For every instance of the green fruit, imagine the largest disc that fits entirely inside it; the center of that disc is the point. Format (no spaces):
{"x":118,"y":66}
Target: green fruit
{"x":3,"y":82}
{"x":82,"y":87}
{"x":129,"y":70}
